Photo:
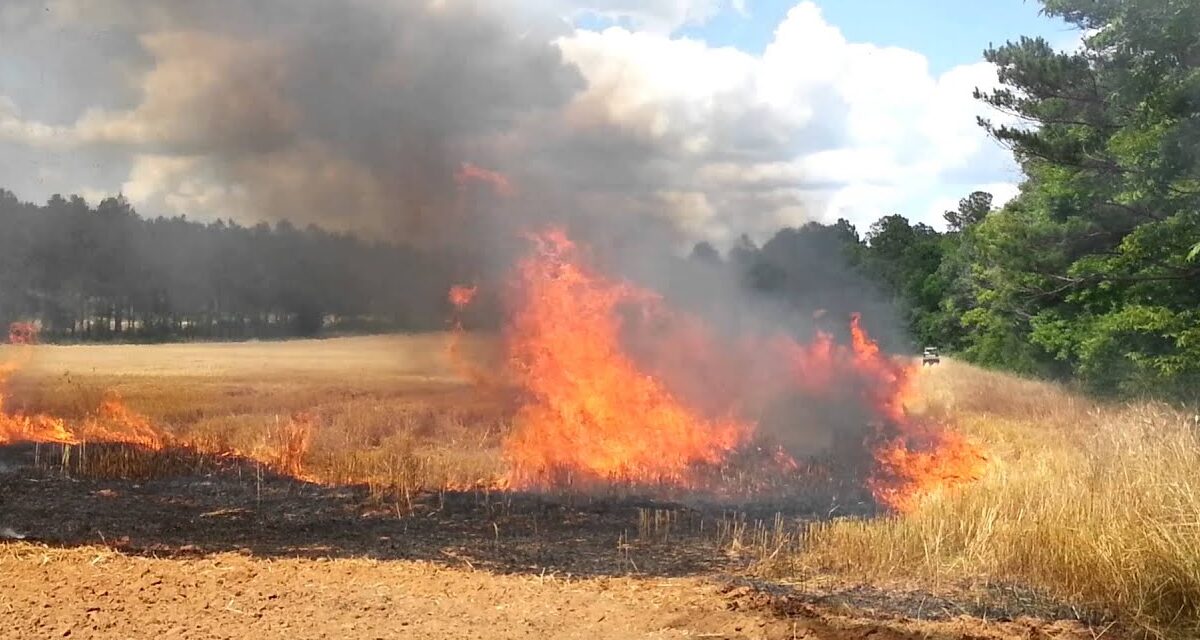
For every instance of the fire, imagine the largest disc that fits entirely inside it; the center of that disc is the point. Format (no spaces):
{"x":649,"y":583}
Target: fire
{"x":499,"y":183}
{"x":921,"y":461}
{"x":462,"y":295}
{"x":294,"y":438}
{"x":592,"y":414}
{"x":617,"y":388}
{"x":113,"y":422}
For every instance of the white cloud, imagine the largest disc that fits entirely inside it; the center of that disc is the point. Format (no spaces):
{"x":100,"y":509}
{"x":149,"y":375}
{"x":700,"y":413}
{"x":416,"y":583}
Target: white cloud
{"x":716,"y":140}
{"x":863,"y":126}
{"x":15,"y":128}
{"x":658,"y":16}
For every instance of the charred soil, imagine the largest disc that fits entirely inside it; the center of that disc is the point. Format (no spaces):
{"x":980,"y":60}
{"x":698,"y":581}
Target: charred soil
{"x":233,"y":551}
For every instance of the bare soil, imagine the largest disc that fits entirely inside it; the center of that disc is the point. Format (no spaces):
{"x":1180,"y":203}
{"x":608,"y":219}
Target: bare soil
{"x":237,"y":553}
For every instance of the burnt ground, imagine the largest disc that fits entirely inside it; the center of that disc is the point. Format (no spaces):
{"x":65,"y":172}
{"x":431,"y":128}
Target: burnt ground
{"x":113,"y":558}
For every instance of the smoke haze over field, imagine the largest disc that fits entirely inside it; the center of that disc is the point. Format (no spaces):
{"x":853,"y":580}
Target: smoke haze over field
{"x":456,"y":131}
{"x":356,"y":114}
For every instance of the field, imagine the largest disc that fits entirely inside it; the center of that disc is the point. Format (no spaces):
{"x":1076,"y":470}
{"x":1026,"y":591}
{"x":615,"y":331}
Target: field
{"x":386,"y":523}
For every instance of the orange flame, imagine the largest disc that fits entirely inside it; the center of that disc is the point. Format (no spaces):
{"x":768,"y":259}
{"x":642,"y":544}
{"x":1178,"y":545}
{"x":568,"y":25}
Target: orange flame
{"x":500,"y":184}
{"x":594,"y":410}
{"x":920,"y":462}
{"x":294,"y":438}
{"x":591,"y":414}
{"x":462,"y":295}
{"x":115,"y":423}
{"x":112,"y":422}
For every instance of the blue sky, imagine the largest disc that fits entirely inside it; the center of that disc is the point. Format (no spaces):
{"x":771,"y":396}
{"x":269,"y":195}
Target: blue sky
{"x":948,"y":33}
{"x":951,"y":36}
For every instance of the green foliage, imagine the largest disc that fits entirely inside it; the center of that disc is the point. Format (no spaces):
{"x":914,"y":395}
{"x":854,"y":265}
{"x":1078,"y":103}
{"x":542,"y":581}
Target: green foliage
{"x":1093,"y":268}
{"x":1093,"y":271}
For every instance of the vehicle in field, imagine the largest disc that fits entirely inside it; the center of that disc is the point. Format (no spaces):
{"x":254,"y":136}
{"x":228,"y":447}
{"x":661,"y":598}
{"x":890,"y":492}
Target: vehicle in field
{"x":930,"y":356}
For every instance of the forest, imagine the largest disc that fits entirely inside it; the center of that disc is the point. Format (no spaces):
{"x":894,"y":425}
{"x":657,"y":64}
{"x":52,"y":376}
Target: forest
{"x":104,"y":273}
{"x":1091,"y":273}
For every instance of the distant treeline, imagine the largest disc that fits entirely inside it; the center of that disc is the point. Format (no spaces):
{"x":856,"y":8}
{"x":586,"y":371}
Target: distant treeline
{"x":1092,"y":273}
{"x":105,"y":273}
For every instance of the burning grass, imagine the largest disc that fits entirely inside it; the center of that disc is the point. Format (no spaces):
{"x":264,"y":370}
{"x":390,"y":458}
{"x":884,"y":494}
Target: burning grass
{"x":610,"y":389}
{"x":1090,"y":504}
{"x":614,"y":386}
{"x":382,"y":412}
{"x":606,"y":390}
{"x":1095,"y":505}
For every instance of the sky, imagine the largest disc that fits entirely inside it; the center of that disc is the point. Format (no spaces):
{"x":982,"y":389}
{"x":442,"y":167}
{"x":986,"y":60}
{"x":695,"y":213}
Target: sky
{"x":948,"y":34}
{"x":706,"y":118}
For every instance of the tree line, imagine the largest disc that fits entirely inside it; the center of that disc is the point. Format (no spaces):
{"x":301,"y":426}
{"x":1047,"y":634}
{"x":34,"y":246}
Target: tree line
{"x":1093,"y":271}
{"x":105,"y":273}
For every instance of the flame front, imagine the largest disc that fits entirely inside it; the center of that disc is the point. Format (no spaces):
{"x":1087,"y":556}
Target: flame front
{"x":591,"y":414}
{"x":461,"y":295}
{"x":594,"y":411}
{"x":113,"y":422}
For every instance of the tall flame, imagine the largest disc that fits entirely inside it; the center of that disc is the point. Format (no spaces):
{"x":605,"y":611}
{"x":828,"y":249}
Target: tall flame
{"x":591,"y":413}
{"x":674,"y":401}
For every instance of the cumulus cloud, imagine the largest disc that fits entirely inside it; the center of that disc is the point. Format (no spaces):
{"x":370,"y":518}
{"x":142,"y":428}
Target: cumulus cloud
{"x":658,"y":16}
{"x":357,"y":114}
{"x":815,"y":128}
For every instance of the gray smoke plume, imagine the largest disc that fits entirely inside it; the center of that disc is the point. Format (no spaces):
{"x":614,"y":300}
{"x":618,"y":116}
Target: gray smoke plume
{"x":452,"y":123}
{"x":357,"y":114}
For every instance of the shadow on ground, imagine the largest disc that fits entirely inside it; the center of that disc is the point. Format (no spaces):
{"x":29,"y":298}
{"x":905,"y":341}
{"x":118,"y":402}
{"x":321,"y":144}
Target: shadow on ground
{"x":237,"y":506}
{"x":234,"y":505}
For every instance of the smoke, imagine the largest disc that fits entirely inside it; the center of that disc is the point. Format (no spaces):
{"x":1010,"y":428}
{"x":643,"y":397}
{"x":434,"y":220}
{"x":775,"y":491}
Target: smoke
{"x":354,"y":115}
{"x":457,"y":124}
{"x":357,"y":114}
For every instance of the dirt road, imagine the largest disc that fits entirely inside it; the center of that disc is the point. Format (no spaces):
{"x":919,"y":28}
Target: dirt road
{"x":97,"y":593}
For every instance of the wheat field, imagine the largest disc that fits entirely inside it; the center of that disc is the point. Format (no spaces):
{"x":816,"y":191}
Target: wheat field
{"x":390,"y":412}
{"x":1097,"y":505}
{"x":1092,"y":504}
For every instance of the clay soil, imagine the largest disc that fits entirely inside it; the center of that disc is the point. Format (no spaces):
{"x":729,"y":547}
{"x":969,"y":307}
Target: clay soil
{"x":233,"y":553}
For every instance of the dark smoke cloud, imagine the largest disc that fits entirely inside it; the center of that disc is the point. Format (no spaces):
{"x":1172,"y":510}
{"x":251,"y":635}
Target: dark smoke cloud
{"x":355,"y":114}
{"x":361,"y":115}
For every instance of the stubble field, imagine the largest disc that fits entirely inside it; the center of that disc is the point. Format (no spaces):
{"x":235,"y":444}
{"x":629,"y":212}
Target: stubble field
{"x":386,"y":523}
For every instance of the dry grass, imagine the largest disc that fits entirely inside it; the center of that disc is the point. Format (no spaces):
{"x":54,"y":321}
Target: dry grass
{"x":1096,"y":505}
{"x":387,"y":412}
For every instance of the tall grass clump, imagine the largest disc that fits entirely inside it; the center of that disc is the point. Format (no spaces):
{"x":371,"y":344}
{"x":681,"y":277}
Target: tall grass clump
{"x":1097,"y":506}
